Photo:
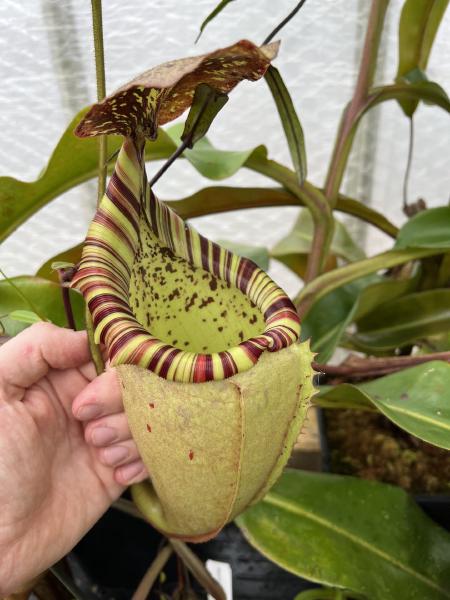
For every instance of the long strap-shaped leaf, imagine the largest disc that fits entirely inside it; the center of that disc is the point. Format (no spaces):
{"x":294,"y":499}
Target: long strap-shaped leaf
{"x":131,"y":223}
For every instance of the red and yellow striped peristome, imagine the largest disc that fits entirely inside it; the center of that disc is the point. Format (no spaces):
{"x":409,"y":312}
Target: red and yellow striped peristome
{"x":164,"y":297}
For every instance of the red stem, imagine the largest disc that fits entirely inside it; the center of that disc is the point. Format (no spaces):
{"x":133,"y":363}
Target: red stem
{"x":372,"y":367}
{"x":66,"y":300}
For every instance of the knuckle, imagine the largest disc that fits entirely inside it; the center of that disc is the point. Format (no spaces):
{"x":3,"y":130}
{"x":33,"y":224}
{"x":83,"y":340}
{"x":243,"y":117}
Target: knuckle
{"x":42,"y":326}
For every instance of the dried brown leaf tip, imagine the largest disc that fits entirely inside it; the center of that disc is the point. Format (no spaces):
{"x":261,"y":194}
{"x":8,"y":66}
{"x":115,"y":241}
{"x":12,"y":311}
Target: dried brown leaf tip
{"x":166,"y":91}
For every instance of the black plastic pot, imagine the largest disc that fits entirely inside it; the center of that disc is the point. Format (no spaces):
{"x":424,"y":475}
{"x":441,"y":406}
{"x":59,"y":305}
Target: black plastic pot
{"x":112,"y":558}
{"x":254,"y":577}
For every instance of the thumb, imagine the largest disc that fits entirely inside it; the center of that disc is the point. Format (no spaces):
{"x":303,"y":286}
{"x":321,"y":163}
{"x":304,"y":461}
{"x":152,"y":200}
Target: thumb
{"x":29,"y":356}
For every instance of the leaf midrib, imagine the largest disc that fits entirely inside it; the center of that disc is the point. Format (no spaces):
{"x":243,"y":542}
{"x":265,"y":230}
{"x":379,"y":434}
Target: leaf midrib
{"x":420,"y":417}
{"x":275,"y":500}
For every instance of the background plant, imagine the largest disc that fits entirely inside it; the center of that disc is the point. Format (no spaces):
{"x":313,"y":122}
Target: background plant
{"x":392,"y":306}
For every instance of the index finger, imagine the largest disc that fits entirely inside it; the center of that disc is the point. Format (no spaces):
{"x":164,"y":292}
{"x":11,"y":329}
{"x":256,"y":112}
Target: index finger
{"x":28,"y":357}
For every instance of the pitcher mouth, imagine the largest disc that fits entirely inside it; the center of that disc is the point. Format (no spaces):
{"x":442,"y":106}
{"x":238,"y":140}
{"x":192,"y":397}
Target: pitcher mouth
{"x":132,"y":225}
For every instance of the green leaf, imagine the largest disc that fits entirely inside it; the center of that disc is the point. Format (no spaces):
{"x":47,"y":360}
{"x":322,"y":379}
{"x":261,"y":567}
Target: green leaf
{"x":24,"y":316}
{"x":205,"y":106}
{"x":219,"y":8}
{"x":404,"y":320}
{"x":328,"y":319}
{"x":211,"y":162}
{"x":329,"y":594}
{"x":342,"y":396}
{"x":362,"y":535}
{"x":216,"y":199}
{"x":299,"y":240}
{"x":416,"y":399}
{"x":428,"y":229}
{"x":258,"y":254}
{"x":44,"y":294}
{"x":419,"y":23}
{"x":427,"y":91}
{"x":290,"y":121}
{"x":73,"y":161}
{"x":327,"y":282}
{"x":372,"y":296}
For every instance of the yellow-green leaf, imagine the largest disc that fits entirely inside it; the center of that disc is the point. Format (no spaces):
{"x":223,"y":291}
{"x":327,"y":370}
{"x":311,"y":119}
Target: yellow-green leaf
{"x":416,"y":399}
{"x":45,"y":296}
{"x":419,"y":22}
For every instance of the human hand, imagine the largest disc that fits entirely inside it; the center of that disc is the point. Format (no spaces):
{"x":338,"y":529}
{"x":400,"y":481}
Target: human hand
{"x":53,"y":484}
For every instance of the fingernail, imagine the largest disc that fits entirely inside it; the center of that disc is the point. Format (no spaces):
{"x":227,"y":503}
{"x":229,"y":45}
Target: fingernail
{"x":88,"y":412}
{"x":101,"y":436}
{"x":114,"y":455}
{"x":129,"y":472}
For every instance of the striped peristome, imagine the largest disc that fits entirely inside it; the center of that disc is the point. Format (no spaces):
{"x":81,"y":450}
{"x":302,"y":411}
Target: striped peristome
{"x":133,"y":228}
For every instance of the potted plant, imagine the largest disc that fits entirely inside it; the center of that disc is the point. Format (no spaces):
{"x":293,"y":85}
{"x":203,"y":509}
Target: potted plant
{"x":360,"y":539}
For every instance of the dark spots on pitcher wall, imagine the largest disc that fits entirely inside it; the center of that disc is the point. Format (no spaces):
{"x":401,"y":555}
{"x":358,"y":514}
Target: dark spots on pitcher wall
{"x":173,"y":287}
{"x":206,"y":301}
{"x":191,"y":455}
{"x":149,"y":429}
{"x":190,"y":303}
{"x":174,"y":294}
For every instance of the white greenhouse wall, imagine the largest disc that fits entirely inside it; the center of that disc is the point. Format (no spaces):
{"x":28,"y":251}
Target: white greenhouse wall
{"x":47,"y":74}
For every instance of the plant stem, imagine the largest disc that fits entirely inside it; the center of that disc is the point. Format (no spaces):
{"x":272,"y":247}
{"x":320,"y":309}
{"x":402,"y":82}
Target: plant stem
{"x":408,"y":166}
{"x":152,"y":573}
{"x":66,"y":301}
{"x":352,"y":112}
{"x":59,"y":571}
{"x":181,"y":148}
{"x":356,"y":365}
{"x":198,"y":569}
{"x":314,"y":200}
{"x":284,"y":22}
{"x":97,"y":27}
